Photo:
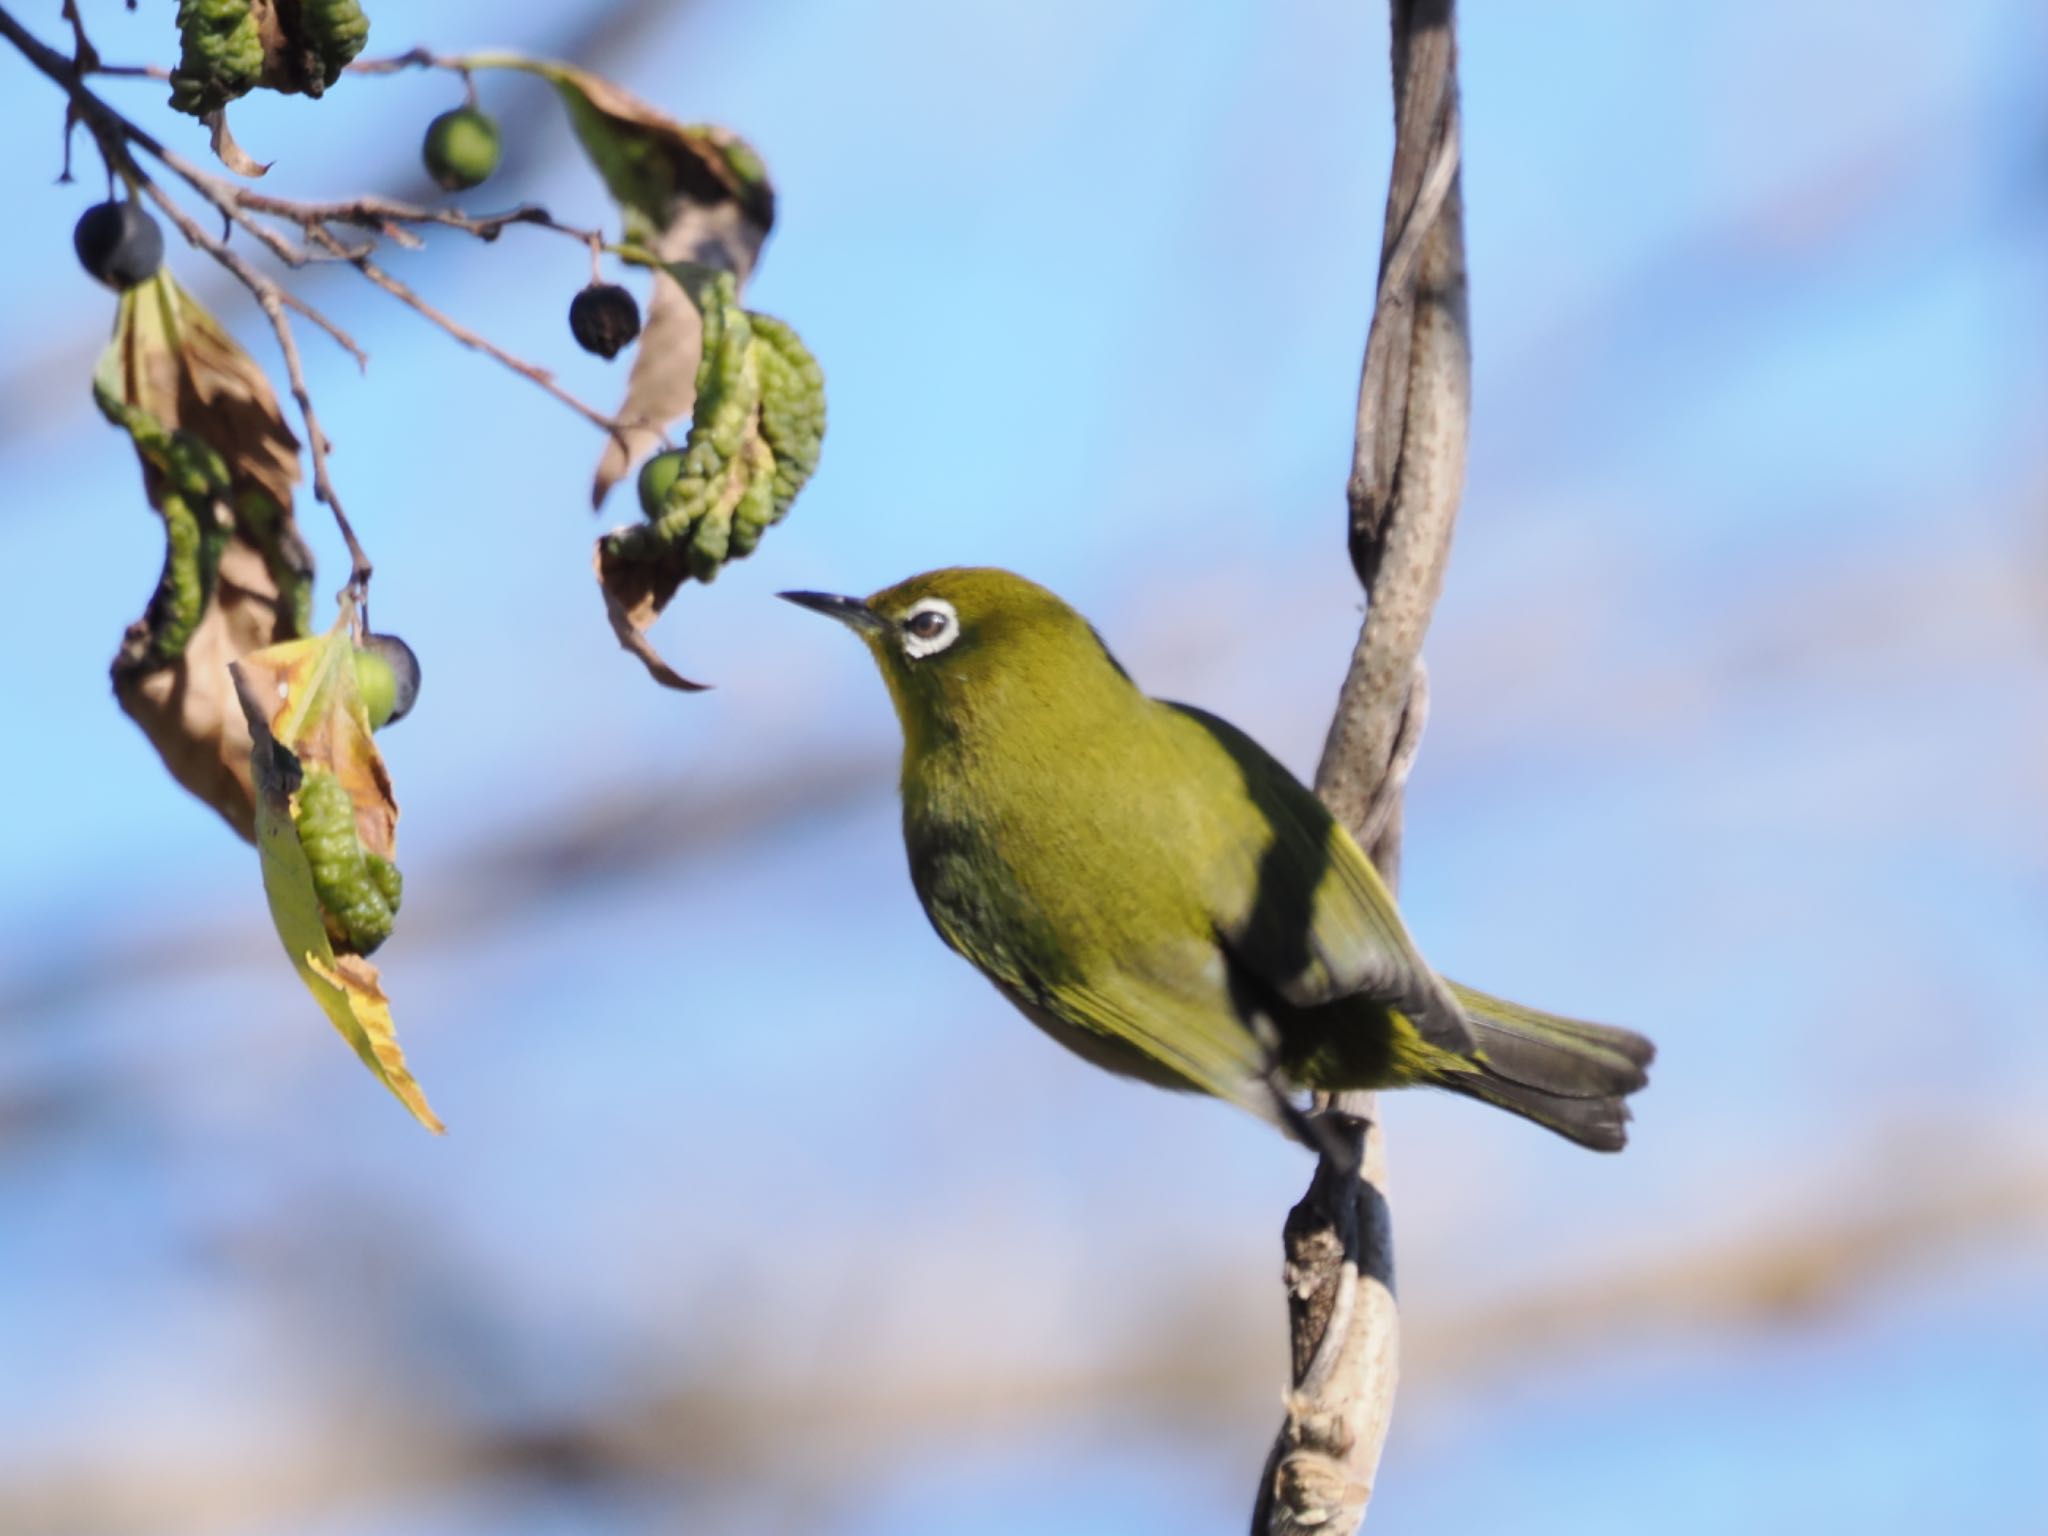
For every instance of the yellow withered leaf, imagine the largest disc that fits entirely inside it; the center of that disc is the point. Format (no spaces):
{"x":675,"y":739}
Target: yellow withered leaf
{"x":305,"y":716}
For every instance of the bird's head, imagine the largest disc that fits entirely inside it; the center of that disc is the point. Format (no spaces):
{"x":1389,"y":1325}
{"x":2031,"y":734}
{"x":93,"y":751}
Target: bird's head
{"x":970,"y":643}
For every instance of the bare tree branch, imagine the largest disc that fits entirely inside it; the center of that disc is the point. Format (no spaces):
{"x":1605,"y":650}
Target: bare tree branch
{"x":458,"y":331}
{"x":1408,"y":470}
{"x":114,"y":133}
{"x":244,"y":208}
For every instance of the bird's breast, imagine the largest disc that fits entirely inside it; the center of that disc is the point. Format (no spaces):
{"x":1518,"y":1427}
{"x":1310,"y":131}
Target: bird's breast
{"x":1064,"y":862}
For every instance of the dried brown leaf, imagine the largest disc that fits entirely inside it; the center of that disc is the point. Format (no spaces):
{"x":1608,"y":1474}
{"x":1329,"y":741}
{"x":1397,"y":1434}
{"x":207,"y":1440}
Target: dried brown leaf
{"x":186,"y":708}
{"x":172,"y":365}
{"x":227,"y":151}
{"x":661,"y":389}
{"x":688,"y":193}
{"x":634,"y":595}
{"x":227,"y":399}
{"x":650,"y":162}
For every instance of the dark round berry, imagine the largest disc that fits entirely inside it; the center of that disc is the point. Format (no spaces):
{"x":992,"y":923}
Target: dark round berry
{"x":119,"y":243}
{"x":461,"y":148}
{"x":388,"y":677}
{"x":604,"y":318}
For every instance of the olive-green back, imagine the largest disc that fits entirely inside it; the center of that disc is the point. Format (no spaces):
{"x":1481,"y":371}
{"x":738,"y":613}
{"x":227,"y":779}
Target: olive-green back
{"x":1140,"y":877}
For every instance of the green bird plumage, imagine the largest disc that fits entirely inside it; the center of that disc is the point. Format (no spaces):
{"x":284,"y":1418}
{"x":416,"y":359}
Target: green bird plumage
{"x":1154,"y":890}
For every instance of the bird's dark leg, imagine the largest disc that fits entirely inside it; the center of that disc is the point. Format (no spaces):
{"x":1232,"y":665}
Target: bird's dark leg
{"x":1326,"y":1133}
{"x":1320,"y":1131}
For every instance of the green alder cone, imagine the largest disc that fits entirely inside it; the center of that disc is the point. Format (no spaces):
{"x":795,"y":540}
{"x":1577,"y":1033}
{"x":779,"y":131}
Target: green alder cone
{"x":695,"y":516}
{"x":222,"y":55}
{"x":193,"y":541}
{"x":390,"y":883}
{"x":359,"y":891}
{"x":334,"y":32}
{"x":754,"y":441}
{"x":191,"y":482}
{"x":1162,"y":897}
{"x":461,"y":148}
{"x":195,"y":535}
{"x":792,"y":407}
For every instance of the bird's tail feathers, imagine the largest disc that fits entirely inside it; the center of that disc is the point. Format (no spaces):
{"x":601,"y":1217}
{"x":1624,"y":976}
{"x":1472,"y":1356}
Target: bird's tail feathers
{"x":1568,"y":1076}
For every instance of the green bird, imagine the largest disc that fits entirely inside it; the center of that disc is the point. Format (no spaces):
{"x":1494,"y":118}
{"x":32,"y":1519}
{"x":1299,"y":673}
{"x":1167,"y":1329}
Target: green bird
{"x":1155,"y":891}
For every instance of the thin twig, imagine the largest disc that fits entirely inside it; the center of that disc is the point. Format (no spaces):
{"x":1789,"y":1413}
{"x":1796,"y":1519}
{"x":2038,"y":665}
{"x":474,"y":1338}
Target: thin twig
{"x":130,"y":71}
{"x":248,"y":209}
{"x":282,"y":248}
{"x":385,"y":215}
{"x":84,"y":57}
{"x":461,"y":333}
{"x":1407,"y":475}
{"x":412,"y":58}
{"x":273,"y":300}
{"x":239,"y":204}
{"x":115,"y":133}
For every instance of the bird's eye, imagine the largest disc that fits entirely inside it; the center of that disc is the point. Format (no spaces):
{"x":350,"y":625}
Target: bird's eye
{"x":929,"y":627}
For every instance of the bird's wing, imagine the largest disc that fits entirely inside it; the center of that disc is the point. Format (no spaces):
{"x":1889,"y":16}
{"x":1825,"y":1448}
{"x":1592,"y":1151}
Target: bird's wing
{"x":1319,"y":924}
{"x":1163,"y":1016}
{"x":1199,"y":1040}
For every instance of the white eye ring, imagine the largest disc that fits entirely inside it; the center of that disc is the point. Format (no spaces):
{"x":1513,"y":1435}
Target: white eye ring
{"x":922,"y":636}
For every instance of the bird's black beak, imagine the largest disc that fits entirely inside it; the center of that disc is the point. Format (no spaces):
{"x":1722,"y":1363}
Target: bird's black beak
{"x":850,"y":611}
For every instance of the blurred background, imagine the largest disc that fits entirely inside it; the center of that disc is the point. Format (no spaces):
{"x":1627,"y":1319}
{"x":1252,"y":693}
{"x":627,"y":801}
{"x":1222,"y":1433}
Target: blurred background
{"x":758,"y":1210}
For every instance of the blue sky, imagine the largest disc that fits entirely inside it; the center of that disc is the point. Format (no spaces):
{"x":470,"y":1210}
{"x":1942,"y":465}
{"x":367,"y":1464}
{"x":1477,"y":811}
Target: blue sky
{"x":1738,"y":736}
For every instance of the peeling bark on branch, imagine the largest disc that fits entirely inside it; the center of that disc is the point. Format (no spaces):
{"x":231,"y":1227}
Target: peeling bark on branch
{"x":1408,"y":462}
{"x":1407,"y":472}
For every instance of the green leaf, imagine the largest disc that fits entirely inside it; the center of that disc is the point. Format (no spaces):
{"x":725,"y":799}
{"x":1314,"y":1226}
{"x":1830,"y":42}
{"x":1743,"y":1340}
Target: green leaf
{"x":653,"y":165}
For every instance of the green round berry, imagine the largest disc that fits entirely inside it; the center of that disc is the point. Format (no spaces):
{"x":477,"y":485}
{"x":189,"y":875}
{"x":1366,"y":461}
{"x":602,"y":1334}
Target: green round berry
{"x":461,"y":148}
{"x":658,"y":477}
{"x":387,"y":679}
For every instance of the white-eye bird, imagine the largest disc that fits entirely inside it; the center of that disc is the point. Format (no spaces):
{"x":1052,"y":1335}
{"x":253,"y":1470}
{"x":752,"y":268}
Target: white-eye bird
{"x":1155,"y":891}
